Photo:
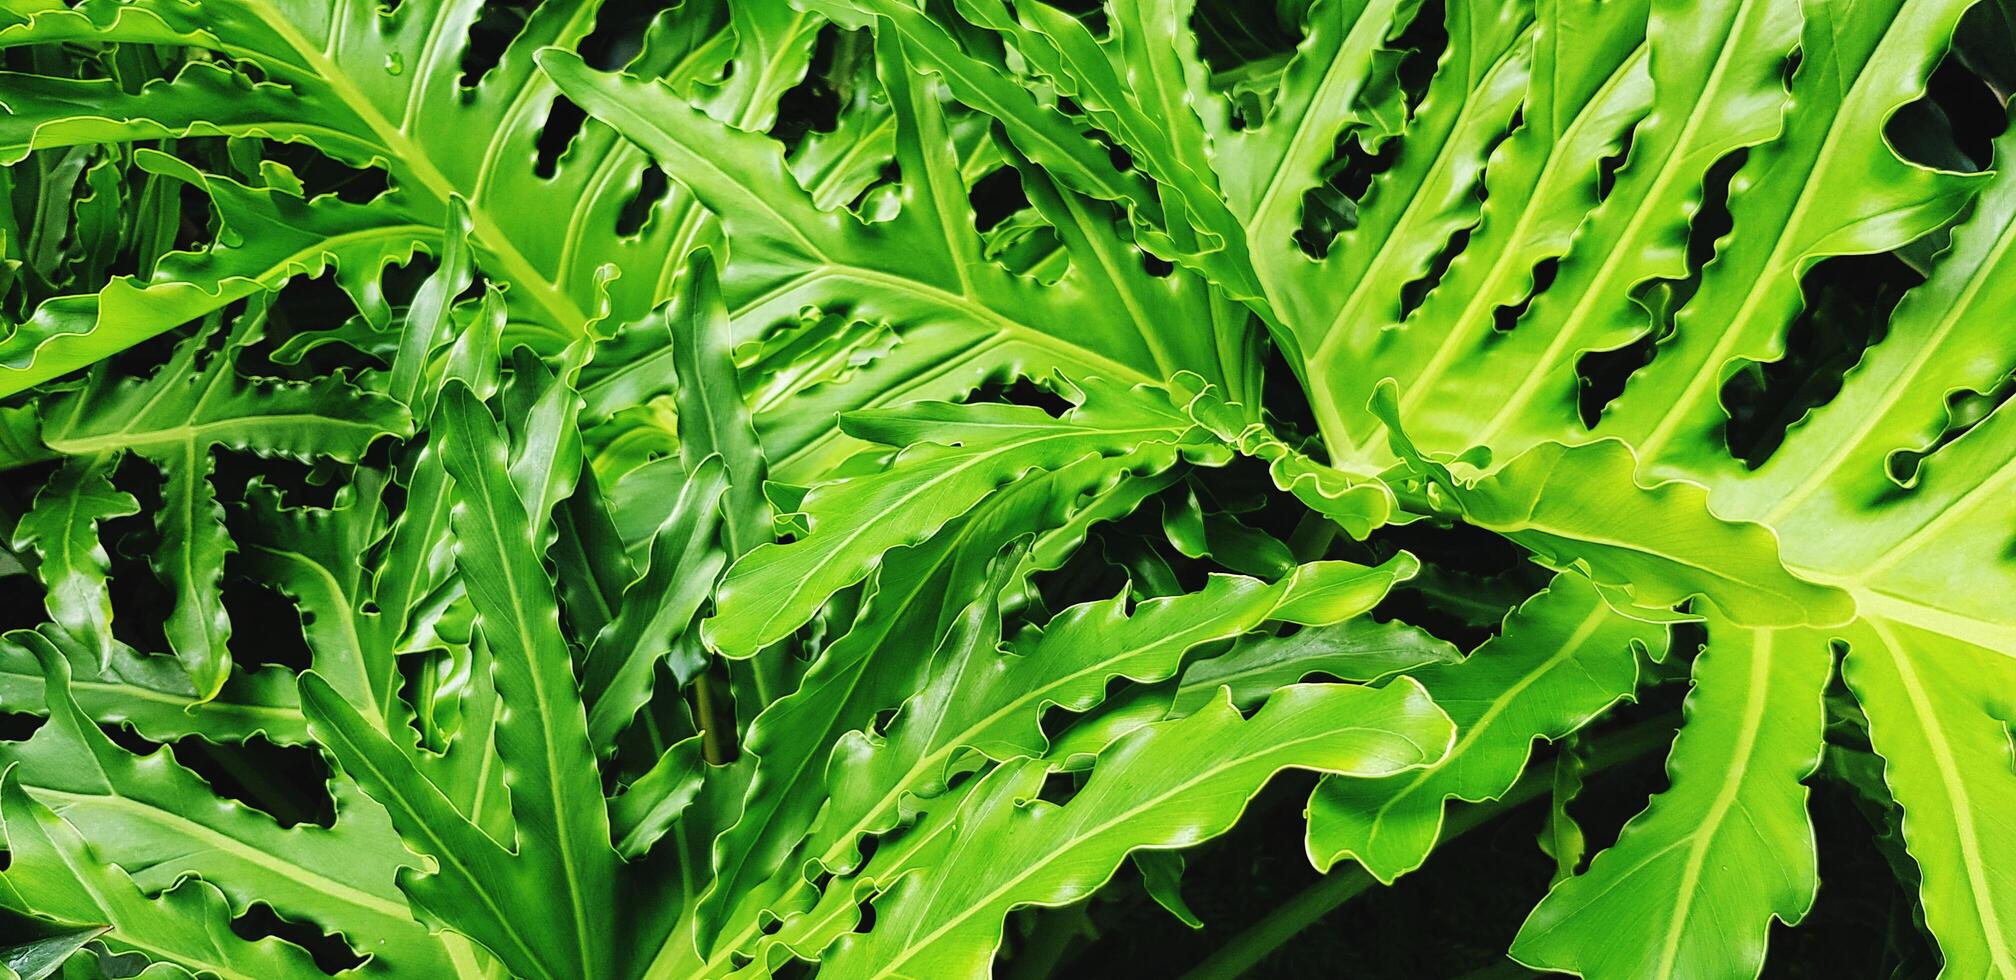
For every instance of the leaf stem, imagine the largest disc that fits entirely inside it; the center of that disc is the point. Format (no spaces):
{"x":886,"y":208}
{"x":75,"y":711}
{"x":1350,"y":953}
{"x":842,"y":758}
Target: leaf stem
{"x":717,"y":725}
{"x":1276,"y":928}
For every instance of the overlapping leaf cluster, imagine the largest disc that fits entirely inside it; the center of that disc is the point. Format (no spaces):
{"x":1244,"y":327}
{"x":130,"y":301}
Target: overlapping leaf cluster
{"x":760,"y":485}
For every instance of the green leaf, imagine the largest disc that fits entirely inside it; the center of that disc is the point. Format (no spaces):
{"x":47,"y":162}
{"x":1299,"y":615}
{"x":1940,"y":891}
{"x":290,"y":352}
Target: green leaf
{"x":1925,"y":636}
{"x":649,"y":807}
{"x":1693,"y":882}
{"x":374,"y":91}
{"x":1659,"y":544}
{"x":194,"y":547}
{"x":1359,"y":649}
{"x":39,"y":958}
{"x":957,"y":455}
{"x":1561,"y":837}
{"x":1042,"y":135}
{"x":797,"y":297}
{"x":916,"y":592}
{"x":56,"y":874}
{"x":1855,"y":66}
{"x":1715,"y":87}
{"x":63,"y":531}
{"x":541,"y":412}
{"x":962,"y":318}
{"x":1356,"y":505}
{"x":474,"y":878}
{"x":273,"y":237}
{"x":159,"y":822}
{"x":542,"y":738}
{"x":1562,"y":659}
{"x":656,"y":609}
{"x":944,"y":917}
{"x":176,"y":419}
{"x":1936,"y":717}
{"x":153,"y":694}
{"x":1591,"y":90}
{"x":1162,"y":877}
{"x":989,"y":702}
{"x":715,"y":420}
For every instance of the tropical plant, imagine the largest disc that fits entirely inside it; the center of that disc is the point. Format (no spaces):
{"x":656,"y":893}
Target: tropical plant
{"x":886,"y":488}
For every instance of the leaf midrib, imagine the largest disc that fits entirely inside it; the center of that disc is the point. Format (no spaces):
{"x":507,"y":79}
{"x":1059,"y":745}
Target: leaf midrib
{"x":1726,"y":795}
{"x":297,"y":873}
{"x":561,"y":802}
{"x":1956,"y":791}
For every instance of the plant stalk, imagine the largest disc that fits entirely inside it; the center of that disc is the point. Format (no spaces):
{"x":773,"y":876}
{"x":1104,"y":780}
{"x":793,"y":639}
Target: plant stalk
{"x":717,"y":726}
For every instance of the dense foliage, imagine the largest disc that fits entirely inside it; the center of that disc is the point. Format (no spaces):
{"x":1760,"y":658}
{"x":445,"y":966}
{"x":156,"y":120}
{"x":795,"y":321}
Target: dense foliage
{"x":876,"y":488}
